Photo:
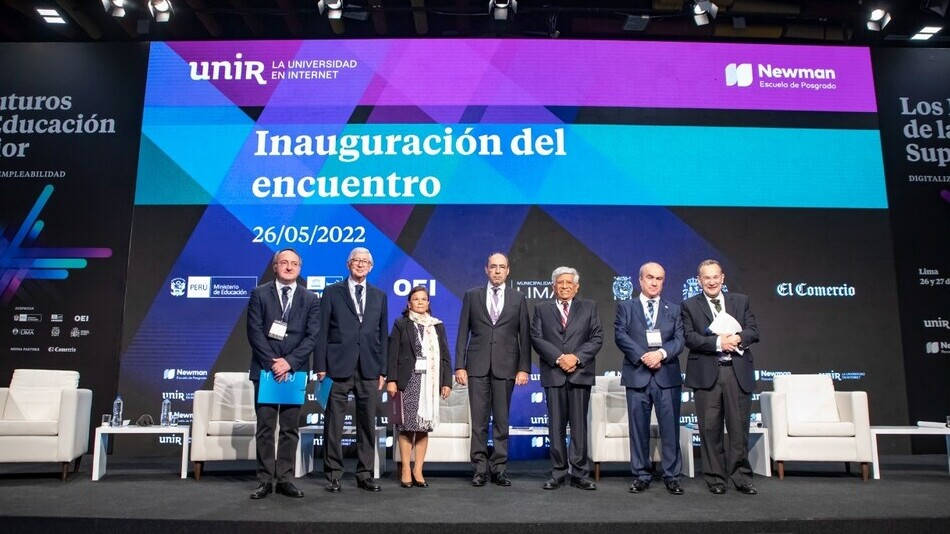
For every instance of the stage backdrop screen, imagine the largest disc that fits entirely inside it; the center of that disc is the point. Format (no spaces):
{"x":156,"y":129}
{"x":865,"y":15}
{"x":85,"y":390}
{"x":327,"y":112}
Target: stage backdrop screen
{"x":434,"y":153}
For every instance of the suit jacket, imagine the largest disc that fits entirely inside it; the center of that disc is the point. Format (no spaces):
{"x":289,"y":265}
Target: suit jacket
{"x":503,"y":348}
{"x":303,"y":323}
{"x":630,"y":334}
{"x":701,"y":367}
{"x":582,"y":337}
{"x":344,"y":342}
{"x":402,"y":354}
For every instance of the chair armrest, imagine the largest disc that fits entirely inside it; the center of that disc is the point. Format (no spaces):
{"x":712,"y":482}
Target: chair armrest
{"x":3,"y":399}
{"x":853,"y":407}
{"x":774,"y":408}
{"x":597,"y":423}
{"x":200,"y":416}
{"x":75,"y":409}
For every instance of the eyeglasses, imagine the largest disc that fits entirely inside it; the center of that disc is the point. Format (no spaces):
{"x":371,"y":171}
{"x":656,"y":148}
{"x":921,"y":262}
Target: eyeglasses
{"x":361,"y":261}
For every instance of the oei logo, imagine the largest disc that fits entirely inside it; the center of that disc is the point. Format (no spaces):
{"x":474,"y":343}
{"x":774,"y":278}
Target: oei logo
{"x":739,"y":75}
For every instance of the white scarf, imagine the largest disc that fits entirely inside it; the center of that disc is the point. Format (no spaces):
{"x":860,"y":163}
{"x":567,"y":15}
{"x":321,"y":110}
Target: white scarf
{"x":429,"y":392}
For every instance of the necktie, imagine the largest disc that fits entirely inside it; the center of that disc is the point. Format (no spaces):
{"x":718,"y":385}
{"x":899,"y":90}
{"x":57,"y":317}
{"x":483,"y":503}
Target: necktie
{"x":564,"y":306}
{"x":649,"y":314}
{"x":494,"y":305}
{"x":716,"y":304}
{"x":284,"y":301}
{"x":359,"y":301}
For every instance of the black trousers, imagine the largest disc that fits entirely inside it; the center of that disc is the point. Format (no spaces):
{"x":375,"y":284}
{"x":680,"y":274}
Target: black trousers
{"x":568,"y":403}
{"x":725,"y":456}
{"x":280,"y":421}
{"x":366,"y":391}
{"x":488,"y":395}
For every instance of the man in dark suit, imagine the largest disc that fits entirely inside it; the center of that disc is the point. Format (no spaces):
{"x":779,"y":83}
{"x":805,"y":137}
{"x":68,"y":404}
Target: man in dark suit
{"x":649,"y":332}
{"x":493,"y":354}
{"x":282,"y":323}
{"x":566,"y":334}
{"x":721,"y":371}
{"x":351,"y":349}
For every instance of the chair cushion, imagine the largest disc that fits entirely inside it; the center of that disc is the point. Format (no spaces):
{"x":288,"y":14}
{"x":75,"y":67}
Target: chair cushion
{"x":454,"y":410}
{"x":618,"y":430}
{"x":451,"y":430}
{"x":811,"y":398}
{"x":231,"y":428}
{"x":32,"y":403}
{"x":816,"y":429}
{"x":29,"y":428}
{"x":233,"y":398}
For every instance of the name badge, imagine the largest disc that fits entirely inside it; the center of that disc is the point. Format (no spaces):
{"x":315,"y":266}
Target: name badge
{"x":278,"y":330}
{"x":420,"y":366}
{"x":654,"y":339}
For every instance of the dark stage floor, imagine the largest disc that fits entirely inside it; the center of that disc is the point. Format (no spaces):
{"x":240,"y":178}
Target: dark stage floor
{"x":146,"y":495}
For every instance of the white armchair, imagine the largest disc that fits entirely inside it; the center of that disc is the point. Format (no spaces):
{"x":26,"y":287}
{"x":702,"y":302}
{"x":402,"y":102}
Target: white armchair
{"x":224,"y":422}
{"x":609,"y":433}
{"x":451,"y":440}
{"x":44,"y":417}
{"x":809,"y":421}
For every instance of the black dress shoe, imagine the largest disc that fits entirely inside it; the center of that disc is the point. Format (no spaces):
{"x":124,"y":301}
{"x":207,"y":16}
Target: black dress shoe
{"x":583,"y":483}
{"x":673,"y":486}
{"x":334,"y":486}
{"x":551,"y":484}
{"x":747,"y":489}
{"x":639,"y":486}
{"x":479,"y":480}
{"x":717,"y":489}
{"x":501,"y":479}
{"x":288,"y":489}
{"x":262,"y":491}
{"x":368,"y":485}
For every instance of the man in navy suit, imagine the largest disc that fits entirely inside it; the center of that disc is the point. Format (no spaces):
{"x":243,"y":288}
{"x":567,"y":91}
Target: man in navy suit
{"x":649,"y":332}
{"x":721,"y":371}
{"x":351,"y":349}
{"x":493,"y":354}
{"x":282,"y":323}
{"x":566,"y":334}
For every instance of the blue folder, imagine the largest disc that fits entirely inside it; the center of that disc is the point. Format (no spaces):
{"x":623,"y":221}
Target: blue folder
{"x":322,"y":391}
{"x":290,"y":391}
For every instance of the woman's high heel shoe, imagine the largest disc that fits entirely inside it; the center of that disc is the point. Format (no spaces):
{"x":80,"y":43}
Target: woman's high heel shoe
{"x":418,"y":484}
{"x":407,"y":484}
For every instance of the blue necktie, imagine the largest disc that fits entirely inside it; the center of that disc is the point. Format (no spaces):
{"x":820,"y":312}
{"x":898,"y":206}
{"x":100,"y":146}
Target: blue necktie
{"x":649,"y":315}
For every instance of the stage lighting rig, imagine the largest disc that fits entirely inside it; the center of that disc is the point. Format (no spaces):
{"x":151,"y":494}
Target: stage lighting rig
{"x":161,"y":10}
{"x":116,"y":8}
{"x":878,"y":19}
{"x":704,"y":12}
{"x":501,"y":9}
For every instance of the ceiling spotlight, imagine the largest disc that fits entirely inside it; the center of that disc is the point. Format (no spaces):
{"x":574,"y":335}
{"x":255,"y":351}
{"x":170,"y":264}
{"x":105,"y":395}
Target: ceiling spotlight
{"x":116,"y":8}
{"x":499,"y":9}
{"x":926,"y":33}
{"x":878,"y":19}
{"x":161,"y":10}
{"x":704,"y":12}
{"x":51,"y":16}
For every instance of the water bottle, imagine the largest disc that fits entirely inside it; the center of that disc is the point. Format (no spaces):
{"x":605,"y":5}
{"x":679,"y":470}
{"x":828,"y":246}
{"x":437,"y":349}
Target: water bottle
{"x":117,"y":405}
{"x":165,"y":418}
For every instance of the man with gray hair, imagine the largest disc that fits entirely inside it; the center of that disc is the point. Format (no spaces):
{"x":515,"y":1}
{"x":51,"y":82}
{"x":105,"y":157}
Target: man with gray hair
{"x":567,"y":335}
{"x":351,"y":348}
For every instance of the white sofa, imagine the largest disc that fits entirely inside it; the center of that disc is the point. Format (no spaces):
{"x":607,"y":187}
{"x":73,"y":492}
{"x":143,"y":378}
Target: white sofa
{"x":809,"y":421}
{"x":224,"y":422}
{"x":451,"y":440}
{"x":609,"y":432}
{"x":44,"y":417}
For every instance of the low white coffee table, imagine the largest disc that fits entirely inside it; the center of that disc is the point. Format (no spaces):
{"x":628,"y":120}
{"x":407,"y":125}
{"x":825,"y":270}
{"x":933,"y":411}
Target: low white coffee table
{"x":99,"y":455}
{"x":306,"y":462}
{"x":905,"y":430}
